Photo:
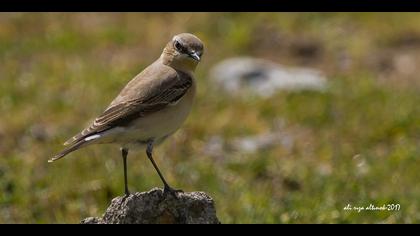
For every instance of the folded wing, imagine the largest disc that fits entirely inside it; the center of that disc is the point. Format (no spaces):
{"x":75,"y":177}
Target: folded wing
{"x":151,"y":91}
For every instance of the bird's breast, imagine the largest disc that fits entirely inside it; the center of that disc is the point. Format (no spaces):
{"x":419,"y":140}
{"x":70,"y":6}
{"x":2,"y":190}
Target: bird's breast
{"x":163,"y":122}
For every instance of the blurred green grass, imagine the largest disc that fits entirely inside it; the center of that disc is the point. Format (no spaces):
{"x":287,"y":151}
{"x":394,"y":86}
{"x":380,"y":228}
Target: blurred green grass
{"x":358,"y":143}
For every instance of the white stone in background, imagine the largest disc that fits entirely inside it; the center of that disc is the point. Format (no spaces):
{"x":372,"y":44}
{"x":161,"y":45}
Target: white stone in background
{"x":252,"y":144}
{"x":264,"y":77}
{"x":218,"y":147}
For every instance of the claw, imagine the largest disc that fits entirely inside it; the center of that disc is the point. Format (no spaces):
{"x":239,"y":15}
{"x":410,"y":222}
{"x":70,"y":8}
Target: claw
{"x":168,"y":190}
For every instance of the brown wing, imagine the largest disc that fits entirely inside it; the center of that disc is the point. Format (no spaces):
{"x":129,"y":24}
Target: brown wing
{"x":147,"y":93}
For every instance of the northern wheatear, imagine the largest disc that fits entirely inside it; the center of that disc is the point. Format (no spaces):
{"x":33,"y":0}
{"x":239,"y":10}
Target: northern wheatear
{"x":150,"y":108}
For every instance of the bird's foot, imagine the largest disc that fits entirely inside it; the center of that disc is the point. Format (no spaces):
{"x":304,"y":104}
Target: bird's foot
{"x":168,"y":190}
{"x":127,"y":193}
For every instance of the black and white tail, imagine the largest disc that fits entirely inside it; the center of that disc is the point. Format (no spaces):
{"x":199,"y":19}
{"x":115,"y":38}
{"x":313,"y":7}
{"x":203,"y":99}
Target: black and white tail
{"x":68,"y":150}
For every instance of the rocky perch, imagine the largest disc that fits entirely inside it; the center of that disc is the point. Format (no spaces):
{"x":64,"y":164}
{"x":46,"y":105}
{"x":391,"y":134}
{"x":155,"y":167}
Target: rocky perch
{"x":154,"y":208}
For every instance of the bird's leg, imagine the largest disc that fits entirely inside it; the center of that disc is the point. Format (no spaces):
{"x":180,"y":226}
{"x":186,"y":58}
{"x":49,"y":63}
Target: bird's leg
{"x":167,"y":189}
{"x":124,"y":153}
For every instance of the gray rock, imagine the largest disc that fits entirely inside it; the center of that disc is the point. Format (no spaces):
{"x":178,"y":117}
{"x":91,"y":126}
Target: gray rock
{"x":154,"y":208}
{"x":263,"y":77}
{"x":92,"y":220}
{"x":254,"y":143}
{"x":280,"y":135}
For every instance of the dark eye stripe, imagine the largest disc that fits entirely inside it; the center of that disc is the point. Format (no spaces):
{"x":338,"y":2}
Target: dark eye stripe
{"x":179,"y":47}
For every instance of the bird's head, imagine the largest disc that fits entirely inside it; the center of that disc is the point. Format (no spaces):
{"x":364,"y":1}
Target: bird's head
{"x":183,"y":52}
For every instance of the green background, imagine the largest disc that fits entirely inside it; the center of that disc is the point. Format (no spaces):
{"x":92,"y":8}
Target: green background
{"x":358,"y":143}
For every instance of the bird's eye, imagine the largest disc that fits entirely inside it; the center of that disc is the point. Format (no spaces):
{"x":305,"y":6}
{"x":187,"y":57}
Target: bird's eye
{"x":178,"y":46}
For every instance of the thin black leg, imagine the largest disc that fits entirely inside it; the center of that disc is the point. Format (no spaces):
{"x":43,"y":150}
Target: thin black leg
{"x":124,"y":153}
{"x":167,"y":188}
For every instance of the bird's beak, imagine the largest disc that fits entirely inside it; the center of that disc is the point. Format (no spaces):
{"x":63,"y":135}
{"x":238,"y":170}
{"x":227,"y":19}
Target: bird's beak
{"x":195,"y":56}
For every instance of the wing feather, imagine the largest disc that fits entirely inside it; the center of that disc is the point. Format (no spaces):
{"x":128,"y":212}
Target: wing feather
{"x":147,"y":93}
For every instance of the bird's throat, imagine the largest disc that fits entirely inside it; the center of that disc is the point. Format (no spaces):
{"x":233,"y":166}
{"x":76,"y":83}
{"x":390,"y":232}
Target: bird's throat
{"x":183,"y":64}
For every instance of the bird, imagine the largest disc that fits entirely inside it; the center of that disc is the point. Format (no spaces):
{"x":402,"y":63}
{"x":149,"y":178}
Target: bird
{"x":150,"y":108}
